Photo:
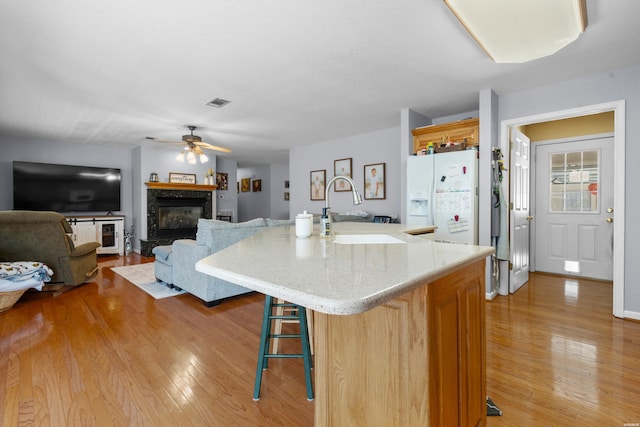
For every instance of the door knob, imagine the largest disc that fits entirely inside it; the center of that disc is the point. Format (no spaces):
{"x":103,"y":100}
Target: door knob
{"x":609,"y":220}
{"x":529,"y":218}
{"x":609,"y":210}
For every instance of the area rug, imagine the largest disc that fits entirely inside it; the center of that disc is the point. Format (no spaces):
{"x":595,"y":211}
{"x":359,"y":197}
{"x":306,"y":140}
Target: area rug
{"x":142,"y":276}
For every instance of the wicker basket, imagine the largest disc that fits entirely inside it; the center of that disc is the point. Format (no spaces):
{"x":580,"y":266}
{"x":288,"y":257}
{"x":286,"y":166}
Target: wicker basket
{"x":7,"y":299}
{"x":456,"y":146}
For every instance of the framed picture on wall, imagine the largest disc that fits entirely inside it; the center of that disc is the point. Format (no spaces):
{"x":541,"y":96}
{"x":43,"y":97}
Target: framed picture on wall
{"x":317,"y":182}
{"x":222,"y":181}
{"x":244,"y":184}
{"x":342,"y":167}
{"x":374,"y":181}
{"x":257,"y":185}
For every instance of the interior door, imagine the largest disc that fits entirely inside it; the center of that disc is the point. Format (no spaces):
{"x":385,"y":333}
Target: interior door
{"x":519,"y":211}
{"x":574,"y":215}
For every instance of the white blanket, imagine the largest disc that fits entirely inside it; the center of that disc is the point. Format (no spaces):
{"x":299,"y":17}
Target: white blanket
{"x":22,"y":275}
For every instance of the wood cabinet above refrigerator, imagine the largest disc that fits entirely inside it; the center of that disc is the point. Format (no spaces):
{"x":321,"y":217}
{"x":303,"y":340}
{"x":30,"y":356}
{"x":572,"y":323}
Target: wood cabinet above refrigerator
{"x":440,"y":134}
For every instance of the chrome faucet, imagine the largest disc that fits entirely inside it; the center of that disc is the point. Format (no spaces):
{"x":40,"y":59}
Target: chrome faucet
{"x":325,"y":230}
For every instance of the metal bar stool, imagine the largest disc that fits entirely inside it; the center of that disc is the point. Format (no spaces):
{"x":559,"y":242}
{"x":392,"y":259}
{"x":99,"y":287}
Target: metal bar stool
{"x":295,"y":312}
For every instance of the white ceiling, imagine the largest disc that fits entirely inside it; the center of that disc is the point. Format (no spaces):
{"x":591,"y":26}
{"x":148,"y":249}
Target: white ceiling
{"x":296,"y":72}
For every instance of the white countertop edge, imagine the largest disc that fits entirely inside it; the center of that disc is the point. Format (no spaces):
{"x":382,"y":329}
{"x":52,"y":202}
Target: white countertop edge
{"x":337,"y":306}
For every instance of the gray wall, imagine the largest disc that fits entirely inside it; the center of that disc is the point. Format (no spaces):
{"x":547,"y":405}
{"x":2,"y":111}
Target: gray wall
{"x":607,"y":87}
{"x":390,"y":146}
{"x":43,"y":151}
{"x":136,"y":165}
{"x":268,"y":203}
{"x":279,"y":206}
{"x":488,"y":115}
{"x":409,"y":120}
{"x":253,"y":204}
{"x":370,"y":148}
{"x":228,"y":199}
{"x":147,"y":159}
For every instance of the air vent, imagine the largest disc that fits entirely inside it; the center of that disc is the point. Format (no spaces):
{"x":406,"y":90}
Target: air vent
{"x":218,"y":103}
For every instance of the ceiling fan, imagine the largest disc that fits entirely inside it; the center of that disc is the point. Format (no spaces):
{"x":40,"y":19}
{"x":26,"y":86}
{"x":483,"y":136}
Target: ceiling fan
{"x":193,"y":146}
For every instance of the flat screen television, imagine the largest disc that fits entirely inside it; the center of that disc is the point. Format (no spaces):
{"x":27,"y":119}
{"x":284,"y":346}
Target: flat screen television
{"x":65,"y":188}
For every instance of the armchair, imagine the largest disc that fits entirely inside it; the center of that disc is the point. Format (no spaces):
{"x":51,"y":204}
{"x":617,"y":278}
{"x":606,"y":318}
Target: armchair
{"x":43,"y":236}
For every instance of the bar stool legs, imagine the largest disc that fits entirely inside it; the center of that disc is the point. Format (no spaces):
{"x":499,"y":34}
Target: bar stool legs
{"x":277,"y":327}
{"x":299,"y":314}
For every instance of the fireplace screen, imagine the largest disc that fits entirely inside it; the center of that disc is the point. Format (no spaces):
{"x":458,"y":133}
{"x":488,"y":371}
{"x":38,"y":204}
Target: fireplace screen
{"x":178,"y":217}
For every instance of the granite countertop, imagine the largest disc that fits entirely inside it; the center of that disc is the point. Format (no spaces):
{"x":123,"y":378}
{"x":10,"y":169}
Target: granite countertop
{"x":335,"y":278}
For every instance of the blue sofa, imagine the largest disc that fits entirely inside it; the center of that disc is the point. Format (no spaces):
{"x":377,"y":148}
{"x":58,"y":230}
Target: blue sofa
{"x":175,"y":264}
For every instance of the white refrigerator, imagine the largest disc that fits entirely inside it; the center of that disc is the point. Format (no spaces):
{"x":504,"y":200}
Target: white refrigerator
{"x":443,"y":191}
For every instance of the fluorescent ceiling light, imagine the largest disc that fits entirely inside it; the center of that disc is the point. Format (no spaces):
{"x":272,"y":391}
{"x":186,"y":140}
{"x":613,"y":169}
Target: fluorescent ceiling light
{"x":513,"y":31}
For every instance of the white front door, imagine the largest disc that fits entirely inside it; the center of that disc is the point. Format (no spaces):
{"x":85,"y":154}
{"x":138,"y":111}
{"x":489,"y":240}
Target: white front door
{"x":519,"y":212}
{"x":574,"y":208}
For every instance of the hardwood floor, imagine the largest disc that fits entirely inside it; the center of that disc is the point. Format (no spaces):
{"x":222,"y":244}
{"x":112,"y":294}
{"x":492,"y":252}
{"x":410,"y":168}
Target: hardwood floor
{"x":556,"y":356}
{"x":106,"y":353}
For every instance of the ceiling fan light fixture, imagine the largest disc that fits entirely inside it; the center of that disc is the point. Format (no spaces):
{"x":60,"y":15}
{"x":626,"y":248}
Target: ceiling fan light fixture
{"x":191,"y":138}
{"x":192,"y":148}
{"x":191,"y":158}
{"x":517,"y":32}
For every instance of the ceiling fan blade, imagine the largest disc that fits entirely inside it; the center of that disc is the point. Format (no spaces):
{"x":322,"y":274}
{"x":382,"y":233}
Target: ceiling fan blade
{"x":166,"y":141}
{"x":212,"y":147}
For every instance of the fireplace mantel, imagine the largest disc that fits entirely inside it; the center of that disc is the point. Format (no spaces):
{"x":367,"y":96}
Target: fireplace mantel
{"x":180,"y":186}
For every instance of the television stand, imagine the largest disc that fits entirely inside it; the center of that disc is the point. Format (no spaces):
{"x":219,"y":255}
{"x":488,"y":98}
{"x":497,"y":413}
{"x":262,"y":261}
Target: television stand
{"x":108,"y":230}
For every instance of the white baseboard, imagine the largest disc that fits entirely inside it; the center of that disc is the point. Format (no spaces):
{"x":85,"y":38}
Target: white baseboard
{"x":490,"y":295}
{"x":631,"y":315}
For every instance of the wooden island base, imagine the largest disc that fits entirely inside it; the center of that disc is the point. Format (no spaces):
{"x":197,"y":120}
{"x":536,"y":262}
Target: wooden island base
{"x":418,"y":360}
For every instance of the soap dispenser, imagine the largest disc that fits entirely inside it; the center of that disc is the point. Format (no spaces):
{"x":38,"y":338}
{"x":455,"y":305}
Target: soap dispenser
{"x":325,"y":223}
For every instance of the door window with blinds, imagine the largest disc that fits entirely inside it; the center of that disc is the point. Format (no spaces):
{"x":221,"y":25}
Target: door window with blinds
{"x":574,"y":182}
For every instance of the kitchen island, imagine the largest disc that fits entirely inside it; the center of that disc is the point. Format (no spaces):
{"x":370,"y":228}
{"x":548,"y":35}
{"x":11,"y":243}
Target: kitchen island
{"x":398,"y":326}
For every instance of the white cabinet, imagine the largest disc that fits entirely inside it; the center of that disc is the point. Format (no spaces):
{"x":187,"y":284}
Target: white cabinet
{"x":106,"y":230}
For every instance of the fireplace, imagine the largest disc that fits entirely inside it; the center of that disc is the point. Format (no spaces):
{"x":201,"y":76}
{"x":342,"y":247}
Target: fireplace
{"x":178,"y":218}
{"x":174,"y":214}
